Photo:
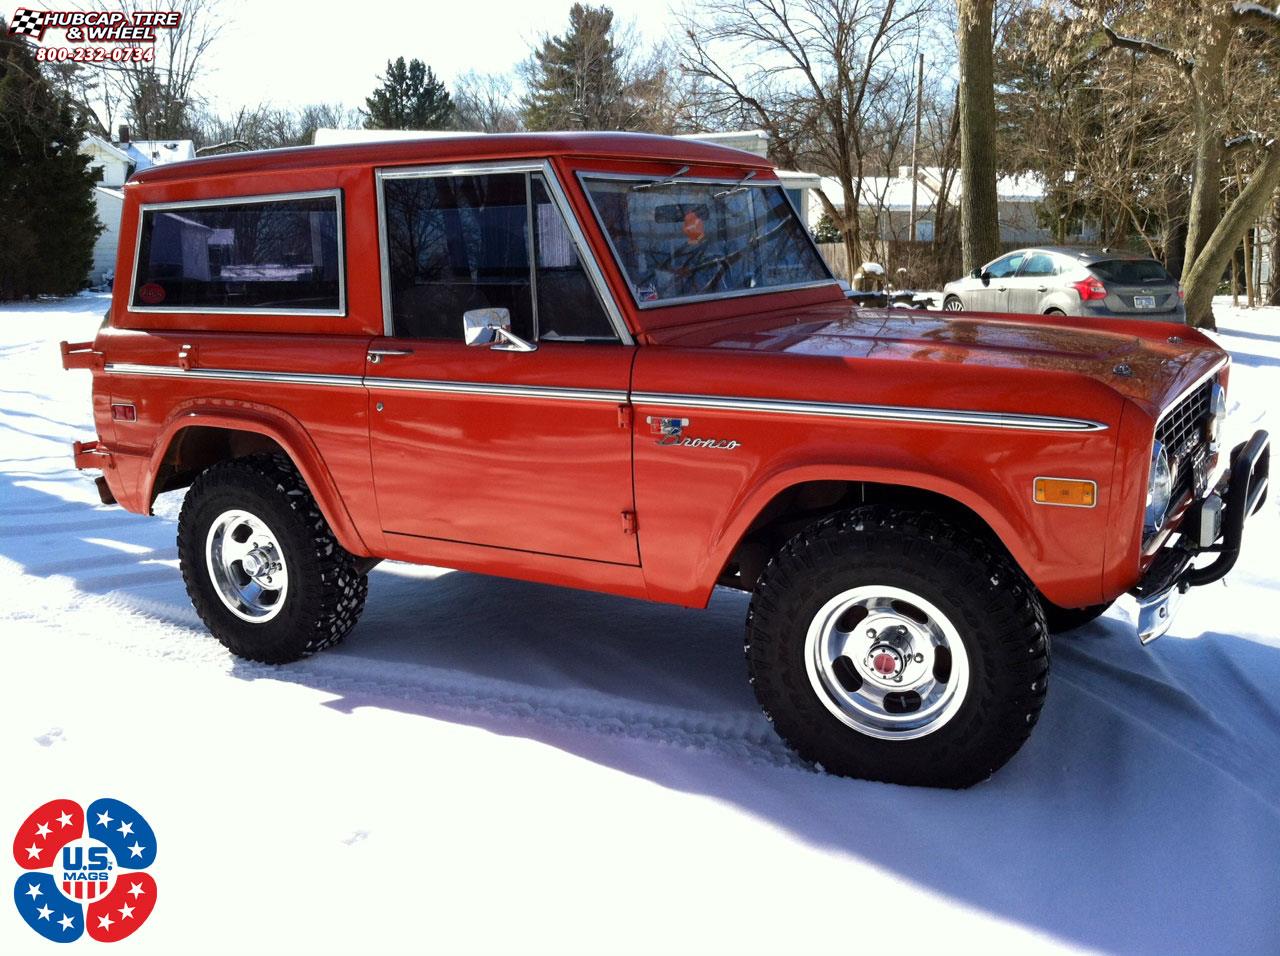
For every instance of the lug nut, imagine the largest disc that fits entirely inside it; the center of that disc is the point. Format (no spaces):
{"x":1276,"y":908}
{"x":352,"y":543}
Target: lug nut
{"x":919,"y":658}
{"x":871,"y":632}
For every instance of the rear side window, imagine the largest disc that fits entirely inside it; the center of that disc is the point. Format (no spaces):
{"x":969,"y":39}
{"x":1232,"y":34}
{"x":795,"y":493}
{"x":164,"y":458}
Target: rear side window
{"x":1131,"y":271}
{"x":261,"y":254}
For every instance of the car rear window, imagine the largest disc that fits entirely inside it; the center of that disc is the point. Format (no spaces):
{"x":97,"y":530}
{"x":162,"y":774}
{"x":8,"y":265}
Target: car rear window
{"x":1130,"y":271}
{"x":258,"y":254}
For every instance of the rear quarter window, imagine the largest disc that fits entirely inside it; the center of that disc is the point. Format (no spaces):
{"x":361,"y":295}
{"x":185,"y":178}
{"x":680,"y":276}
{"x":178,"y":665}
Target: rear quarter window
{"x":262,"y":254}
{"x":1131,"y":271}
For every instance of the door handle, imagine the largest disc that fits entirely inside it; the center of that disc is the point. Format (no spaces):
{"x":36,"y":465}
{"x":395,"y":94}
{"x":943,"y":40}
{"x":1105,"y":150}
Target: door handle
{"x":1002,"y":289}
{"x":1042,"y":288}
{"x":376,"y":355}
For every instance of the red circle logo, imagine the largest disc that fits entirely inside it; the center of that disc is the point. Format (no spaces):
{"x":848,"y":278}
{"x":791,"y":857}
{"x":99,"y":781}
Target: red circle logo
{"x":152,"y":293}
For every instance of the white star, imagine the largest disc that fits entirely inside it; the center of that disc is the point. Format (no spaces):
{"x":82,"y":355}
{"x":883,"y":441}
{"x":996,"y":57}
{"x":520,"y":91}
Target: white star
{"x":104,"y":922}
{"x":126,"y":911}
{"x":126,"y":829}
{"x":42,"y":830}
{"x":65,"y":819}
{"x":66,"y":922}
{"x":135,"y":890}
{"x":32,"y":891}
{"x":44,"y":912}
{"x":104,"y":819}
{"x":136,"y":849}
{"x":33,"y":852}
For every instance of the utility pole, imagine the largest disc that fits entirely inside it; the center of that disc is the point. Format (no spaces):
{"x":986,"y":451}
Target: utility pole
{"x":915,"y":146}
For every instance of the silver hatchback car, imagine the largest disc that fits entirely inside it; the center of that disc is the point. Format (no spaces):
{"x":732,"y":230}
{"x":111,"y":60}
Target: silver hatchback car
{"x":1059,"y":281}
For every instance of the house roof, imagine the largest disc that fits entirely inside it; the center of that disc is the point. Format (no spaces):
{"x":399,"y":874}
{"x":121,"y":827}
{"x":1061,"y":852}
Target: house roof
{"x":93,"y":143}
{"x":463,"y":146}
{"x":893,"y":193}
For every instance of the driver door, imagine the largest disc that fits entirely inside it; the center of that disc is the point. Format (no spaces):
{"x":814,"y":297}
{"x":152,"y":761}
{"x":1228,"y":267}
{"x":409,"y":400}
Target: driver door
{"x":993,"y":288}
{"x":522,"y":450}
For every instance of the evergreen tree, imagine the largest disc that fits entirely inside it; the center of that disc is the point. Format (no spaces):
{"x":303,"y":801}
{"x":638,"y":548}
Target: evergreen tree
{"x":47,"y":221}
{"x":410,"y":97}
{"x":576,"y":80}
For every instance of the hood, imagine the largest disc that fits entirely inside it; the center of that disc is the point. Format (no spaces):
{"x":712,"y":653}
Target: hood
{"x":1146,"y":361}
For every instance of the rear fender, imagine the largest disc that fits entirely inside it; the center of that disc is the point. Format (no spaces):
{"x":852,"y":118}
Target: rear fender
{"x":271,"y":423}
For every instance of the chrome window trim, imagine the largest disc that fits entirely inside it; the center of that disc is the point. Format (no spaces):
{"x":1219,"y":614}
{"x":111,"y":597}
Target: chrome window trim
{"x":943,"y":416}
{"x":584,"y":174}
{"x":556,"y":191}
{"x":242,"y":200}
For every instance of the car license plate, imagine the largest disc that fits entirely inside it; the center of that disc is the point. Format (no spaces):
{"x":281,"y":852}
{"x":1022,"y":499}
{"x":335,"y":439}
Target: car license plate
{"x":1144,"y":301}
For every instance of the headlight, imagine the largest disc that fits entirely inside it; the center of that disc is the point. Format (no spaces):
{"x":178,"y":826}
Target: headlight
{"x":1217,"y":415}
{"x":1159,"y":488}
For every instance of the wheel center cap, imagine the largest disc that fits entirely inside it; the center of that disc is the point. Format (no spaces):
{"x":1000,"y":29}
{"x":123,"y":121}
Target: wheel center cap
{"x":886,"y":663}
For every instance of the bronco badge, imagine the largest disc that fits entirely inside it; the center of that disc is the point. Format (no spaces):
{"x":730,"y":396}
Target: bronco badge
{"x":670,"y":431}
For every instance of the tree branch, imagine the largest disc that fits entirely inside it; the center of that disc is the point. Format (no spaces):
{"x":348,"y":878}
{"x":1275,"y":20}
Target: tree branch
{"x":1184,"y":63}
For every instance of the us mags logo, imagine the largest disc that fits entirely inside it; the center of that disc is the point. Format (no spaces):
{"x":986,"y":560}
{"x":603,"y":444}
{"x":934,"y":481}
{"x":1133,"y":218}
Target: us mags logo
{"x":85,"y":871}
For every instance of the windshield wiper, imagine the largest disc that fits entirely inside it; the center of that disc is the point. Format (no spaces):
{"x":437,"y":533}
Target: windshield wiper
{"x":661,"y":182}
{"x":740,"y":185}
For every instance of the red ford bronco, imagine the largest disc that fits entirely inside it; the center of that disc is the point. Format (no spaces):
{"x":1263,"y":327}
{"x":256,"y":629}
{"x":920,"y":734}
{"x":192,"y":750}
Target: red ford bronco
{"x":617,"y":362}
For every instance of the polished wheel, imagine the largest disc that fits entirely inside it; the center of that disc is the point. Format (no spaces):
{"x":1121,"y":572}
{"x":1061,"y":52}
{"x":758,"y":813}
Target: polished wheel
{"x":247,"y":566}
{"x":886,"y":662}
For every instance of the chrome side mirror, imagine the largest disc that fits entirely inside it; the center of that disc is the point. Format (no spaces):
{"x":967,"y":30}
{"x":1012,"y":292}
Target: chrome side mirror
{"x":492,"y":327}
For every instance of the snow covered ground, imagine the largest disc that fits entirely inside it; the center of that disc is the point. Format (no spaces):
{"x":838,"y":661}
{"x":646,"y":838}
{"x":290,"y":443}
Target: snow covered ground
{"x":492,"y":766}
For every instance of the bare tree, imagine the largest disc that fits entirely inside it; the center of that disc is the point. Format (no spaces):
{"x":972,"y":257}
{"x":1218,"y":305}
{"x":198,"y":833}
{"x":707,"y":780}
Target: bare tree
{"x":811,"y":74}
{"x":979,"y":204}
{"x":1199,"y":44}
{"x":486,"y":102}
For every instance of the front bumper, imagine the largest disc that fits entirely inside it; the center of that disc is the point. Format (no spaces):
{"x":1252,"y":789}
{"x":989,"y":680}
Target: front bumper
{"x":1213,"y":525}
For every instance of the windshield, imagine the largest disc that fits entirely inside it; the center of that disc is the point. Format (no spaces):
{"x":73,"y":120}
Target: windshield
{"x":683,"y":240}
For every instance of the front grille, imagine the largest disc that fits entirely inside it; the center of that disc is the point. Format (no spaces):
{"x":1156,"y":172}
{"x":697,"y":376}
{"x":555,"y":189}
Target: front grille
{"x":1182,"y":431}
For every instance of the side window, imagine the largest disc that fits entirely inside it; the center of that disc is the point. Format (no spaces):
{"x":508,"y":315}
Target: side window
{"x":256,"y":255}
{"x":1040,"y":264}
{"x":568,"y":307}
{"x":456,"y":243}
{"x":1003,"y":268}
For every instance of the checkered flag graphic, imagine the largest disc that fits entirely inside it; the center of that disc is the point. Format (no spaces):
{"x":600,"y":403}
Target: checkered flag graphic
{"x":27,"y":23}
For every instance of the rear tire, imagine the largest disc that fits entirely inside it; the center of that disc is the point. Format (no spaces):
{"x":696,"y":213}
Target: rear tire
{"x":262,"y":566}
{"x":940,"y":590}
{"x":952,"y":304}
{"x":1054,"y":312}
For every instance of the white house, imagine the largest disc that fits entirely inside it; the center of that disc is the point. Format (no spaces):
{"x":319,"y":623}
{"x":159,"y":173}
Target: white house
{"x":118,"y":161}
{"x":886,"y":201}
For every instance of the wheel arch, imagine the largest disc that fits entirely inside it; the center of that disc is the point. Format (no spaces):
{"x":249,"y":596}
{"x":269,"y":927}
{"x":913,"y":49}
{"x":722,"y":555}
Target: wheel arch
{"x":196,"y":438}
{"x":778,"y":509}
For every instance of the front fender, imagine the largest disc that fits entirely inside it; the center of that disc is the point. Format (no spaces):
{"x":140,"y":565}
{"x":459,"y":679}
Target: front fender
{"x":695,"y":504}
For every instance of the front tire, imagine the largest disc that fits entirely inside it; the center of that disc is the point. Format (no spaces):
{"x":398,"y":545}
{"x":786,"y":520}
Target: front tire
{"x":262,"y":566}
{"x":895,"y":646}
{"x":952,"y":304}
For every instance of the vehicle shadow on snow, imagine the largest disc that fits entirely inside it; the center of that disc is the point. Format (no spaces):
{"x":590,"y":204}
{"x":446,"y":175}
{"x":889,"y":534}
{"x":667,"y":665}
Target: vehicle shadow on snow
{"x":1142,"y":816}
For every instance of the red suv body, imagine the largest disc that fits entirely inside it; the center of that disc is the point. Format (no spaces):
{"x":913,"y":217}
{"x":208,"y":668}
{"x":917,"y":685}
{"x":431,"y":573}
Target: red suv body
{"x":616,"y":362}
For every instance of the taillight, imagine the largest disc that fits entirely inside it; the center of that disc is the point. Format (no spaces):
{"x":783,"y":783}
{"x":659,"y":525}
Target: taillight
{"x":1090,"y":289}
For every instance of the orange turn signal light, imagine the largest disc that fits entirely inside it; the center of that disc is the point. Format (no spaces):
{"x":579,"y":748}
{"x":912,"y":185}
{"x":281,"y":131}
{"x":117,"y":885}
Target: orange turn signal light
{"x":1072,"y":492}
